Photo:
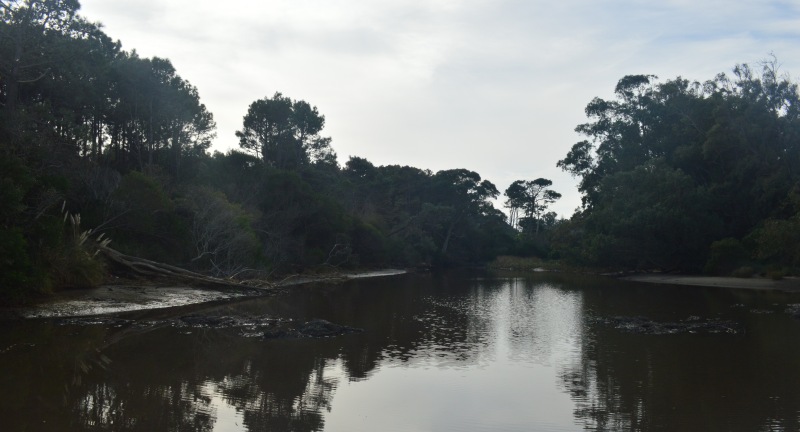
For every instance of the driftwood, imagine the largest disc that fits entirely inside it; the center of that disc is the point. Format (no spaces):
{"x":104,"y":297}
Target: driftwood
{"x":144,"y":267}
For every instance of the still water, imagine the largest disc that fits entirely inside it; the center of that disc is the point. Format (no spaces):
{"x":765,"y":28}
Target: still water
{"x":439,"y":352}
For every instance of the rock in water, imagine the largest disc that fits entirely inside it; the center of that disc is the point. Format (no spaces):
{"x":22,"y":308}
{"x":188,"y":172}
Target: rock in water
{"x":317,"y":328}
{"x":321,"y":328}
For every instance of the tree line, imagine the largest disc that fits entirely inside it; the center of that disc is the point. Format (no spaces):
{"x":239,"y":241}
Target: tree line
{"x":98,"y":145}
{"x":690,"y":176}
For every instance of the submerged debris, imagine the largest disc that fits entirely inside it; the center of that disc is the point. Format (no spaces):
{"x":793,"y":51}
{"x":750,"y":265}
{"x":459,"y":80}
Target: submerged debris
{"x":317,"y":328}
{"x":261,"y":326}
{"x":691,"y":325}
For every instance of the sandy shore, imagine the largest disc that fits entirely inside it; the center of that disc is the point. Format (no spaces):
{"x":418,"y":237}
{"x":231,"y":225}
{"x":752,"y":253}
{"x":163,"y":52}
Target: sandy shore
{"x":757,"y":283}
{"x":118,"y":298}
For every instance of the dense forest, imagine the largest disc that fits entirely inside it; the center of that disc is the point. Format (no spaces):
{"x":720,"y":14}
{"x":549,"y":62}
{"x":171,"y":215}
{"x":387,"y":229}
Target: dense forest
{"x":697,"y":177}
{"x":99,"y":146}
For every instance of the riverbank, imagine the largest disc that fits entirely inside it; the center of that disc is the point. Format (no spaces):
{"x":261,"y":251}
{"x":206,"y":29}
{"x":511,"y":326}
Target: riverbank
{"x":127,"y":296}
{"x":755,"y":283}
{"x":533,"y":264}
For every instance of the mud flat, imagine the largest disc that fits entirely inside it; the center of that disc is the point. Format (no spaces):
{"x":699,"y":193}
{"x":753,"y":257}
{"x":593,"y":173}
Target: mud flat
{"x":128,"y":297}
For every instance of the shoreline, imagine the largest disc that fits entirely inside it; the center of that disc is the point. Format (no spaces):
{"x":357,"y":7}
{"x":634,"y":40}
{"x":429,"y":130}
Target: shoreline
{"x":129,"y":296}
{"x":754,"y":283}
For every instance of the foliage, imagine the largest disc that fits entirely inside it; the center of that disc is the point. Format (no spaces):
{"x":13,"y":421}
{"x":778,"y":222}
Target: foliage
{"x":149,"y":222}
{"x":533,"y":198}
{"x":221,"y":231}
{"x":726,"y":255}
{"x":73,"y":262}
{"x":123,"y":141}
{"x":670,"y":168}
{"x":284,"y":133}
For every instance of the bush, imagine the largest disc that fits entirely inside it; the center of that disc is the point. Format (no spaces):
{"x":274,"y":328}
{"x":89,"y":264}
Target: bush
{"x":222,"y":234}
{"x":744,"y":272}
{"x":149,"y":224}
{"x":726,"y":256}
{"x":16,"y":270}
{"x":777,"y":274}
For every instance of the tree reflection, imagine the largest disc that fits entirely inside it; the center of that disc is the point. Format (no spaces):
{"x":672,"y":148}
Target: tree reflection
{"x":625,"y":381}
{"x":192,"y":379}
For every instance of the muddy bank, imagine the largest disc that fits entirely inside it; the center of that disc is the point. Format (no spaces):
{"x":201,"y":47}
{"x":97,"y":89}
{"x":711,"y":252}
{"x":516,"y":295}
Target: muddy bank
{"x":756,"y":283}
{"x":128,"y":297}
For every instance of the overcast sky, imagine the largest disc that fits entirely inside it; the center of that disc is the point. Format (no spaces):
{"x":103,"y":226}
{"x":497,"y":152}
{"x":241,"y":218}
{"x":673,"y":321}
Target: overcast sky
{"x":493,"y":86}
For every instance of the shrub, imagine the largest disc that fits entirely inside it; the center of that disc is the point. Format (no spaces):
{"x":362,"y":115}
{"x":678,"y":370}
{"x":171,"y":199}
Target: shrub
{"x":744,"y":272}
{"x":726,"y":256}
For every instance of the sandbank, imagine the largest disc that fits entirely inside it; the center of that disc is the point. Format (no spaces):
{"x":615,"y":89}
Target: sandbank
{"x":756,"y":283}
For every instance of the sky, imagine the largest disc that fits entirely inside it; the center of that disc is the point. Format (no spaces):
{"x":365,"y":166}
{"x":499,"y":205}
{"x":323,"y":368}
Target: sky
{"x":493,"y":86}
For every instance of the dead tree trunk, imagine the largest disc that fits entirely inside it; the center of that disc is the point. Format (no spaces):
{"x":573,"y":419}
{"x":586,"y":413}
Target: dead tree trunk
{"x":144,"y":267}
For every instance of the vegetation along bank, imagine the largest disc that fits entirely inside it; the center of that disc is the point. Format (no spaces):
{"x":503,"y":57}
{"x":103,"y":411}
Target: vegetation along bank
{"x":105,"y":155}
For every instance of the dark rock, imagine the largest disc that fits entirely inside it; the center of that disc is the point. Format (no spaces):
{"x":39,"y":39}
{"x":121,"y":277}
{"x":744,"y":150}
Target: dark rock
{"x":208,"y":321}
{"x":692,"y":325}
{"x":268,"y":328}
{"x":317,"y":328}
{"x":282,"y":333}
{"x":321,"y":328}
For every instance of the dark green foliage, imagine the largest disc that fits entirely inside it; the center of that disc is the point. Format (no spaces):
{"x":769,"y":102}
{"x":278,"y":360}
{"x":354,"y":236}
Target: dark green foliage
{"x":88,"y":129}
{"x":527,"y":203}
{"x":726,"y":255}
{"x":284,"y":133}
{"x":671,"y":168}
{"x":369,"y":245}
{"x":777,"y":243}
{"x":148,"y":223}
{"x":16,"y":270}
{"x":221,"y":232}
{"x":42,"y":247}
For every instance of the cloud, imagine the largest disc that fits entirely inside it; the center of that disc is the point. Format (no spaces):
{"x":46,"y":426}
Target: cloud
{"x":493,"y":86}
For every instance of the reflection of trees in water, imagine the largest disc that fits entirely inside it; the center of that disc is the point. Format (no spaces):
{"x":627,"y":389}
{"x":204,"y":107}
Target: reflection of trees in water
{"x":270,"y":407}
{"x":178,"y":407}
{"x":625,"y":381}
{"x":443,"y":323}
{"x":275,"y":386}
{"x":163,"y":379}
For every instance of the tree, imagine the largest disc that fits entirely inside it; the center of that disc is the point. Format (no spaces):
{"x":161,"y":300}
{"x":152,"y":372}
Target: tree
{"x":221,"y":232}
{"x":515,"y":202}
{"x":532,"y":197}
{"x":285,"y":133}
{"x":466,"y":194}
{"x":30,"y":33}
{"x":157,"y":116}
{"x":669,"y":168}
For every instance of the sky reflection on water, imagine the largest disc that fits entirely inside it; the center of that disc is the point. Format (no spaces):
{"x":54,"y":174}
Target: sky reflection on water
{"x":484,"y":363}
{"x":440,"y":352}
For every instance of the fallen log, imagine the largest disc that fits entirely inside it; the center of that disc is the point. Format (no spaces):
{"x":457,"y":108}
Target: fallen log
{"x":148,"y":268}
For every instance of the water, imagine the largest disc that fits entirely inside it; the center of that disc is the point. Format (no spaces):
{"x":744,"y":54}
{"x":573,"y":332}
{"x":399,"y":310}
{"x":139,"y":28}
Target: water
{"x":442,"y":352}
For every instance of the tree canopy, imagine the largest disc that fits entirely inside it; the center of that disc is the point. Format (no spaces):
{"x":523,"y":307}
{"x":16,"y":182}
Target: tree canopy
{"x":285,"y":133}
{"x":99,"y":143}
{"x":675,"y":175}
{"x":669,"y":168}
